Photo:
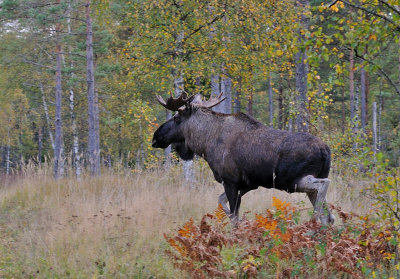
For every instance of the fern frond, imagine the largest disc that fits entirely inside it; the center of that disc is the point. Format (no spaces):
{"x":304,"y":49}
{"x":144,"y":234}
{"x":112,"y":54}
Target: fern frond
{"x":220,"y":214}
{"x":188,"y":230}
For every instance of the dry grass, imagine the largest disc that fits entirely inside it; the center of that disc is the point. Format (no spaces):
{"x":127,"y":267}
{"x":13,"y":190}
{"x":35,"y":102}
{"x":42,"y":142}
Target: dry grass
{"x":112,"y":226}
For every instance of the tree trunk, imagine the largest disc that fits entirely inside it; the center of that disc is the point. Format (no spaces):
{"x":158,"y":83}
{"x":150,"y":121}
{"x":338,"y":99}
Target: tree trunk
{"x":93,"y":136}
{"x":356,"y":110}
{"x":76,"y":160}
{"x":97,"y":130}
{"x":399,"y":63}
{"x":46,"y":114}
{"x":379,"y":121}
{"x":302,"y":119}
{"x":363,"y":99}
{"x":40,"y":145}
{"x":58,"y":160}
{"x":167,"y":151}
{"x":8,"y":147}
{"x":271,"y":108}
{"x":140,"y":155}
{"x":280,"y":109}
{"x":215,"y":86}
{"x":226,"y":81}
{"x":351,"y":87}
{"x":226,"y":89}
{"x":374,"y":129}
{"x":236,"y":101}
{"x":188,"y":172}
{"x":179,"y":84}
{"x":290,"y":125}
{"x":343,"y":112}
{"x":250,"y":103}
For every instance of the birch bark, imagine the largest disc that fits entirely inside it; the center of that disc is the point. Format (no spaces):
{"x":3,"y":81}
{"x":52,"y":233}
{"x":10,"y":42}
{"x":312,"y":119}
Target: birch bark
{"x":46,"y":114}
{"x":351,"y":86}
{"x":93,"y":119}
{"x":76,"y":160}
{"x":58,"y":160}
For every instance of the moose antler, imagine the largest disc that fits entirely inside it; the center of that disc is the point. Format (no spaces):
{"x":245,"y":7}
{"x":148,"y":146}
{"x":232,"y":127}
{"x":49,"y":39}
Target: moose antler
{"x":175,"y":104}
{"x":212,"y":102}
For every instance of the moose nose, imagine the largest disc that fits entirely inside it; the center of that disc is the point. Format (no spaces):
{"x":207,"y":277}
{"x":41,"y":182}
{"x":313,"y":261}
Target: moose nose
{"x":154,"y":143}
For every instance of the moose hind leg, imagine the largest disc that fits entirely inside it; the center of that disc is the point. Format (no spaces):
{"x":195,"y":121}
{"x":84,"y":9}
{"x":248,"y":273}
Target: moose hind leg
{"x":223,"y":200}
{"x":316,"y":189}
{"x":327,"y":217}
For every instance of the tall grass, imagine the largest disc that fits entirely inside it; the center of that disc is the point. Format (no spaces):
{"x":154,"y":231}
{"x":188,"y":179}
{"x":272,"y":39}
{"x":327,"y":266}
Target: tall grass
{"x":112,"y":226}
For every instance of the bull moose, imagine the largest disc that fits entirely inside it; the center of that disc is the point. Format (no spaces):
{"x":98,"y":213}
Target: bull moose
{"x":244,"y":154}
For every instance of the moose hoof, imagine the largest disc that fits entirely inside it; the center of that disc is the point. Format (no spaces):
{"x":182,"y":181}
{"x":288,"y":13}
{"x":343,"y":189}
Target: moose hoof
{"x":328,"y":219}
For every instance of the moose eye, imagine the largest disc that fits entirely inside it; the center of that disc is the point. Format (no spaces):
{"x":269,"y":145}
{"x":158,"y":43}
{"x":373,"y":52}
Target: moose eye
{"x":177,"y":119}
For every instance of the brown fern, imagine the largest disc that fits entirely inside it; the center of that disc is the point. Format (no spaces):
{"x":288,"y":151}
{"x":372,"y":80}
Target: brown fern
{"x":272,"y":242}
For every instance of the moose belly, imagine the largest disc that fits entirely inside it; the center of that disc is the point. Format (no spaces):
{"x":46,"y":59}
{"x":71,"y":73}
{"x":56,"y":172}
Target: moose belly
{"x":256,"y":173}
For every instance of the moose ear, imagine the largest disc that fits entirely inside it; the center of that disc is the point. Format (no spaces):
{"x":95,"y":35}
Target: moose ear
{"x":184,"y":152}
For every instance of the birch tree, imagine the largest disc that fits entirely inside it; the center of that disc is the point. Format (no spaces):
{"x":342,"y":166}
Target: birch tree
{"x":93,"y":110}
{"x":58,"y":142}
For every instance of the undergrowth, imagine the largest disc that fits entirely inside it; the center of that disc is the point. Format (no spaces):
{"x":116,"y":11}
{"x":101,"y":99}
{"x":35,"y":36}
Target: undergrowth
{"x":112,"y":227}
{"x":276,"y":245}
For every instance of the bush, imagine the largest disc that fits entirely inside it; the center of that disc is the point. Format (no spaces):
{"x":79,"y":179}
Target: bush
{"x":276,"y":244}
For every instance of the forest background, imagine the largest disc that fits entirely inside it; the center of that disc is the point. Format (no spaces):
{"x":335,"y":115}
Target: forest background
{"x":78,"y":90}
{"x":292,"y":65}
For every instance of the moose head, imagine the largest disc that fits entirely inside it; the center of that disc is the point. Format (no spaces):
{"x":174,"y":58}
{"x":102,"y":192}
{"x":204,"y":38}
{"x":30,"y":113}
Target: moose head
{"x":171,"y":132}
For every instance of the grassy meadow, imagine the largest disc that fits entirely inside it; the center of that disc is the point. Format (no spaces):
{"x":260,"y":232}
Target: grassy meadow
{"x":112,"y":226}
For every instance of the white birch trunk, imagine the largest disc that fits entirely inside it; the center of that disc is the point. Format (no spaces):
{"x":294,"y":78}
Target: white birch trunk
{"x":76,"y":160}
{"x":46,"y":113}
{"x":374,"y":129}
{"x":379,"y":121}
{"x":93,"y":137}
{"x":188,"y":172}
{"x":355,"y":128}
{"x":58,"y":144}
{"x":40,"y":146}
{"x":351,"y":86}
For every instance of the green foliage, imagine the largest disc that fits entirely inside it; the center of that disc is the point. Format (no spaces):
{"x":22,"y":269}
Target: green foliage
{"x":142,"y":46}
{"x":384,"y":192}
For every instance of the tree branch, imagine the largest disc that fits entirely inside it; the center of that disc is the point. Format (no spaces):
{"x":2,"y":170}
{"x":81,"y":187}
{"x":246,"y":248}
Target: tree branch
{"x":380,"y":70}
{"x":397,"y":27}
{"x":218,"y":17}
{"x":390,"y":7}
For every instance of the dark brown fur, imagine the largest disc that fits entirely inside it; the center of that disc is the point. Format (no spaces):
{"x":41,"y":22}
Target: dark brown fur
{"x":243,"y":153}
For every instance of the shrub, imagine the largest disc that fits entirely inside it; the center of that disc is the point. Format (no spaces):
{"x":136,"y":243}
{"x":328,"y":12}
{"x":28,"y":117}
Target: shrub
{"x":276,"y":244}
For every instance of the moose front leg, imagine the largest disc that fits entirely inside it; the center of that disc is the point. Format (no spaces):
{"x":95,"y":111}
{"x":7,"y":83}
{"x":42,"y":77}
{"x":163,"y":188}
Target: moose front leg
{"x":234,"y":198}
{"x":316,"y":190}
